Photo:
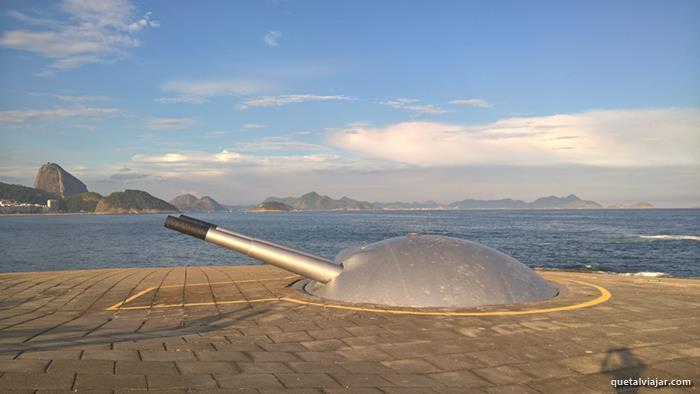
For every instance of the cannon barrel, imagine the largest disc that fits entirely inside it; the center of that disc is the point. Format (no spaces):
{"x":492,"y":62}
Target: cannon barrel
{"x":302,"y":263}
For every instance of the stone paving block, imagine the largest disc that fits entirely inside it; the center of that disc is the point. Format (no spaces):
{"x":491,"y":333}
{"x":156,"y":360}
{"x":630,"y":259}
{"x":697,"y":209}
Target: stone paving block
{"x":81,"y":366}
{"x":307,"y":390}
{"x":66,"y":354}
{"x":354,"y":390}
{"x":180,"y":381}
{"x":546,"y":370}
{"x":297,"y":380}
{"x":512,"y":389}
{"x":86,"y":381}
{"x":410,"y":380}
{"x":564,"y":386}
{"x":145,"y":368}
{"x":450,"y":362}
{"x":408,"y":390}
{"x":361,"y":380}
{"x":273,"y":356}
{"x":325,"y":345}
{"x":320,"y":356}
{"x":207,"y":367}
{"x":157,"y":355}
{"x":364,"y":354}
{"x":243,"y":381}
{"x":282,"y":347}
{"x":315,"y":366}
{"x":222,"y":356}
{"x":503,"y":375}
{"x":459,"y":379}
{"x":114,"y":355}
{"x":263,"y":367}
{"x":329,"y":333}
{"x":34,"y":380}
{"x":23,"y":365}
{"x":367,"y":367}
{"x":294,"y":336}
{"x":414,"y":365}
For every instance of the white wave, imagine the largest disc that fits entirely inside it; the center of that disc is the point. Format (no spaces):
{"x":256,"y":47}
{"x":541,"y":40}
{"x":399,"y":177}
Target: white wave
{"x":671,"y":237}
{"x":647,"y":274}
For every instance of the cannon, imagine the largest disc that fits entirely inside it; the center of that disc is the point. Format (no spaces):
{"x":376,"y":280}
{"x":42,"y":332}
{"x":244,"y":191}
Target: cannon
{"x":415,"y":270}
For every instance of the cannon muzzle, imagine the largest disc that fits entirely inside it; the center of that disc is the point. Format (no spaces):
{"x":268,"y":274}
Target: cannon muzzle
{"x":302,"y":263}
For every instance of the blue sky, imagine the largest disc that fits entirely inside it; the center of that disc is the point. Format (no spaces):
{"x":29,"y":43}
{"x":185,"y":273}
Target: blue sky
{"x":375,"y":100}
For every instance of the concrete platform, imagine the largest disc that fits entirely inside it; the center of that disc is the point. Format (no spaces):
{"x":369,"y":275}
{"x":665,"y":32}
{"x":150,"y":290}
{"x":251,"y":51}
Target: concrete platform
{"x":243,"y":329}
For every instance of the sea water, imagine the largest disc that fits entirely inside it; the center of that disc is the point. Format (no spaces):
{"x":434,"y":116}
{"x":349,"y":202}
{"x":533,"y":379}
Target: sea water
{"x":645,"y":242}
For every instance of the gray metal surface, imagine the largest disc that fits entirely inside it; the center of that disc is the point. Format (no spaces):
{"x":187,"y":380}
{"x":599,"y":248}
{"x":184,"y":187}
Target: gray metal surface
{"x":431,"y":271}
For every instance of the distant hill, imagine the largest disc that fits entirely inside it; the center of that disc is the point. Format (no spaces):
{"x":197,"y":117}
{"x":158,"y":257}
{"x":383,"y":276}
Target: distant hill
{"x":551,"y":202}
{"x":133,"y":201}
{"x":489,"y":204}
{"x":24,"y":194}
{"x":83,"y":202}
{"x":316,"y":202}
{"x":636,"y":205}
{"x":53,"y":178}
{"x":569,"y":202}
{"x":276,"y":206}
{"x":190,"y":203}
{"x":397,"y":205}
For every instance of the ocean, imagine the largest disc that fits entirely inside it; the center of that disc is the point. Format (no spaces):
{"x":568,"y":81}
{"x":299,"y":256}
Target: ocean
{"x":652,"y":241}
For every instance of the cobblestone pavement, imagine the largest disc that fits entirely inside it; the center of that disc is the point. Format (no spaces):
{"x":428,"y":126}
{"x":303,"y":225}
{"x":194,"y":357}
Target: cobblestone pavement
{"x":243,"y":329}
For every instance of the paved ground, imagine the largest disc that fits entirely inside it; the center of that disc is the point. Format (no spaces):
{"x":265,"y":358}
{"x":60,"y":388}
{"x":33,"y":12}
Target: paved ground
{"x":242,"y":329}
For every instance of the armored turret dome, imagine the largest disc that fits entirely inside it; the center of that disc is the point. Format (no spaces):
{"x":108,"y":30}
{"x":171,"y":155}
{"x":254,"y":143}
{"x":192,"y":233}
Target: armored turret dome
{"x":431,"y":271}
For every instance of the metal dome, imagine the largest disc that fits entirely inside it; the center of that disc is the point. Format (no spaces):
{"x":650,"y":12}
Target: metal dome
{"x":431,"y":271}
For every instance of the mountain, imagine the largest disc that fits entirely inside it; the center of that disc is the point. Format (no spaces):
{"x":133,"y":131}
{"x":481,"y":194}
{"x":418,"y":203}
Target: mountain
{"x":83,"y":202}
{"x":316,"y":202}
{"x":53,"y":178}
{"x":190,"y":203}
{"x":551,"y":202}
{"x":569,"y":202}
{"x":24,"y":194}
{"x":636,"y":205}
{"x":275,"y":206}
{"x":397,"y":205}
{"x":133,"y":201}
{"x":489,"y":204}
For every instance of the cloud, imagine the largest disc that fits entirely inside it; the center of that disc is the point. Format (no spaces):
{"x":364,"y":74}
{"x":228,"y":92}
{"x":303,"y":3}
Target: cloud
{"x":77,"y":100}
{"x":412,"y":105}
{"x":279,"y":144}
{"x":20,"y":116}
{"x":615,"y":138}
{"x":122,"y":177}
{"x":197,"y":92}
{"x":93,"y":32}
{"x":276,"y":101}
{"x":253,"y":126}
{"x":170,"y":123}
{"x":271,"y":38}
{"x":475,"y":102}
{"x":181,"y":99}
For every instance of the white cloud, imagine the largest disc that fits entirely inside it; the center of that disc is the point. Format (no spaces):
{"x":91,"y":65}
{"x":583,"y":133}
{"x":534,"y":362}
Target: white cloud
{"x":474,"y":102}
{"x":279,"y":144}
{"x":181,"y":99}
{"x":77,"y":100}
{"x":272,"y":38}
{"x":409,"y":104}
{"x":19,"y":116}
{"x":253,"y":126}
{"x":94,"y":32}
{"x":169,"y":123}
{"x":275,"y":101}
{"x":196,"y":92}
{"x":626,"y":138}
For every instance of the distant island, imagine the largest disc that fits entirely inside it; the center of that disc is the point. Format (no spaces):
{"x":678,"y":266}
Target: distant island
{"x":272,"y":206}
{"x":190,"y":203}
{"x":56,"y":190}
{"x":315,"y":202}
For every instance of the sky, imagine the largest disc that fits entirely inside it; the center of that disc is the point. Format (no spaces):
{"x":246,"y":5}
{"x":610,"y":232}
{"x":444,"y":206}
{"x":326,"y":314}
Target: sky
{"x":378,"y":101}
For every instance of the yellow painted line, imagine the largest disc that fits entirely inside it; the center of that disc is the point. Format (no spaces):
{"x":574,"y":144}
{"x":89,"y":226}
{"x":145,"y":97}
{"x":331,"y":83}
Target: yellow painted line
{"x":604,"y":296}
{"x":133,"y":297}
{"x":191,"y":304}
{"x":119,"y":305}
{"x":236,"y":281}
